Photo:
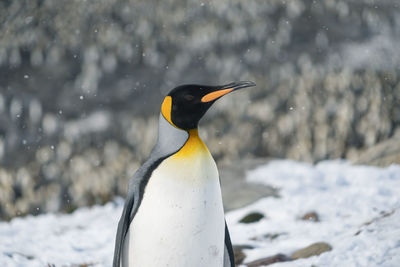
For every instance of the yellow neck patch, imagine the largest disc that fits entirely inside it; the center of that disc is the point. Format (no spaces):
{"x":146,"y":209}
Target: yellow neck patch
{"x":194,"y":146}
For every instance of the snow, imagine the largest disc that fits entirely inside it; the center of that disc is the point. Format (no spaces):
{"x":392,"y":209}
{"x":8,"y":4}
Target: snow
{"x":83,"y":237}
{"x":358,"y":208}
{"x":346,"y":199}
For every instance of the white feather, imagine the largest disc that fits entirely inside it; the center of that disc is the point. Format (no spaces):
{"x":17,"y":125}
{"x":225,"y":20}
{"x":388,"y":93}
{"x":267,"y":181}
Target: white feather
{"x":180,"y":221}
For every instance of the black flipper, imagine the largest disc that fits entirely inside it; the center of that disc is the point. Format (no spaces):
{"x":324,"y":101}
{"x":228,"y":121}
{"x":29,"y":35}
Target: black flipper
{"x":229,"y":258}
{"x":123,"y":227}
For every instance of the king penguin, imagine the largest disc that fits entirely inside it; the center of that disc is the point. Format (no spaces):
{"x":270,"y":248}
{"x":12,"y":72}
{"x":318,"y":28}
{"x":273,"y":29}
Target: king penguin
{"x":173,"y":214}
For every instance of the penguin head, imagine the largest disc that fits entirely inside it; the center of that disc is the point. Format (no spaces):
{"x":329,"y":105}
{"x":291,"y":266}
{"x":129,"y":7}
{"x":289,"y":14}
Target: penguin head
{"x":185,"y":105}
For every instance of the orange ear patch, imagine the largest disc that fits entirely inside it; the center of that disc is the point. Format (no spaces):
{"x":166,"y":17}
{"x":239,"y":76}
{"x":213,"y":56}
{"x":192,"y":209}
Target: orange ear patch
{"x":166,"y":109}
{"x":214,"y":95}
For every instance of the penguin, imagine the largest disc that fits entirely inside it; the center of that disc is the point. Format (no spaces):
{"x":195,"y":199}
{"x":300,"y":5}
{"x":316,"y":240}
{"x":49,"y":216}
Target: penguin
{"x":173,"y":213}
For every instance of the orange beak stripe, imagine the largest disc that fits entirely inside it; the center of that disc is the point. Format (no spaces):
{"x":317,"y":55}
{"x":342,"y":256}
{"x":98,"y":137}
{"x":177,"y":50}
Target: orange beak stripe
{"x":214,"y":95}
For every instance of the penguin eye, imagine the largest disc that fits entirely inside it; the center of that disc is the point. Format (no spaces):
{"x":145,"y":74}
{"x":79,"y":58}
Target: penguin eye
{"x":189,"y":97}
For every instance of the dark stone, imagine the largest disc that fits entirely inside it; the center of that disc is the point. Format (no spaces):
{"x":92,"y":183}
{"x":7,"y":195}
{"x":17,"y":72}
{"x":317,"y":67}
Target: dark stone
{"x":239,"y":255}
{"x":243,"y":247}
{"x":269,"y":260}
{"x":272,"y":236}
{"x":268,"y":236}
{"x":11,"y":255}
{"x":252,"y":217}
{"x":311,"y":216}
{"x":312,"y":250}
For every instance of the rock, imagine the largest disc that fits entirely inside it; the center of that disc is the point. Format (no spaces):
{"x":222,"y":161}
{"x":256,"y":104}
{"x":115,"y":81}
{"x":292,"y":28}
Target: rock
{"x":310,"y":216}
{"x":239,"y":255}
{"x":236,"y":191}
{"x":252,"y":217}
{"x":273,"y":236}
{"x":269,"y":236}
{"x":269,"y":260}
{"x":382,"y":154}
{"x":243,"y":247}
{"x":312,"y":250}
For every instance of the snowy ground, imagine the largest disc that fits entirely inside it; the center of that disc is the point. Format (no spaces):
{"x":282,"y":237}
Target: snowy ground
{"x":358,"y":207}
{"x":348,"y":199}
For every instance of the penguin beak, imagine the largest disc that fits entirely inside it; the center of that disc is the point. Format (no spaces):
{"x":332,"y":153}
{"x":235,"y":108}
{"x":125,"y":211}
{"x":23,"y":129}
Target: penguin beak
{"x":225,"y":89}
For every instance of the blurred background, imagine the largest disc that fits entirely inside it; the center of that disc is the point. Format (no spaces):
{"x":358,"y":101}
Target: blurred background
{"x":81,"y":83}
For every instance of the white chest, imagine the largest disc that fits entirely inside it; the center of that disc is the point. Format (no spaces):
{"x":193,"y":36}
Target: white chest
{"x":180,"y":221}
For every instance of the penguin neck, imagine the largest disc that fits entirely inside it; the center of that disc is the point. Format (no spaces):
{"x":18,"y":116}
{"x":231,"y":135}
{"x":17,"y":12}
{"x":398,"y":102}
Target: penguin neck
{"x":193,"y":147}
{"x":181,"y":143}
{"x":170,"y":139}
